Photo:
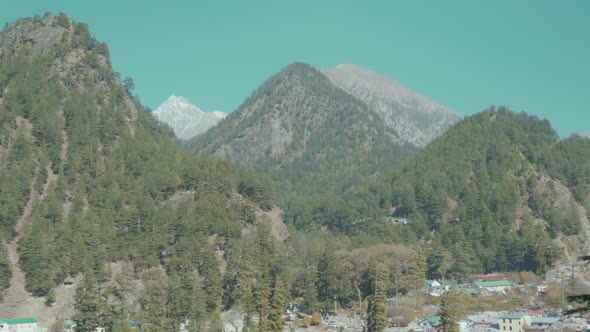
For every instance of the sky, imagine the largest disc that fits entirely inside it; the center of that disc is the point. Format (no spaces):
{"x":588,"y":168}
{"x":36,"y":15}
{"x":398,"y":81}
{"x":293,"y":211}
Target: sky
{"x":531,"y":56}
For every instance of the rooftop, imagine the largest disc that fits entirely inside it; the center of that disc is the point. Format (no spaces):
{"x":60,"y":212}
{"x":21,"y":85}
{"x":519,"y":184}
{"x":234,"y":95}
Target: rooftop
{"x":544,"y":320}
{"x":433,"y":320}
{"x":14,"y":321}
{"x":512,"y":316}
{"x":499,"y":283}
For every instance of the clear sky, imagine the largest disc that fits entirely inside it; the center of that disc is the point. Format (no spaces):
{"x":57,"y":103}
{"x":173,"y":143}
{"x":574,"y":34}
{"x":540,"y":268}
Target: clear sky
{"x":532,"y":56}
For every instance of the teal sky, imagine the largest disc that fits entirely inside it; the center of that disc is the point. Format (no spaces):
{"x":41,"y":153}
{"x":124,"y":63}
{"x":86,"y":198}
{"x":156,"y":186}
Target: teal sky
{"x":532,"y":56}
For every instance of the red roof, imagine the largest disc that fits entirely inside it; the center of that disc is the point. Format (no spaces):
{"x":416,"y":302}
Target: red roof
{"x":535,"y":312}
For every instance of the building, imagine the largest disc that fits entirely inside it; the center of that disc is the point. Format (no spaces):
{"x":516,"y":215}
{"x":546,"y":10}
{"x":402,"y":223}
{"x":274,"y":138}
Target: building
{"x":493,"y":286}
{"x":432,"y":284}
{"x":514,"y":322}
{"x":546,"y":322}
{"x":484,"y":322}
{"x":429,"y":323}
{"x":26,"y":324}
{"x":69,"y":325}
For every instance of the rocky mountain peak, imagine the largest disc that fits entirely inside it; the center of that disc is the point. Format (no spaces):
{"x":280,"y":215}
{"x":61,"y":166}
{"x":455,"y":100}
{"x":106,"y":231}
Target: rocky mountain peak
{"x":417,"y":119}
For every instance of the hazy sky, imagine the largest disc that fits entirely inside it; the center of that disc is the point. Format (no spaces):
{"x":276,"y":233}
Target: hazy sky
{"x":532,"y":56}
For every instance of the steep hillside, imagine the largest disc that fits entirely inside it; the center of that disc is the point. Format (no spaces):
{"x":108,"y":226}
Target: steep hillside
{"x":91,"y":181}
{"x":305,"y":132}
{"x":416,"y":119}
{"x":186,"y":119}
{"x":501,"y":185}
{"x":498,"y":192}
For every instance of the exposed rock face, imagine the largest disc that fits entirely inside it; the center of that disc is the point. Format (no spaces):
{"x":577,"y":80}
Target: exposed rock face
{"x":415,"y":118}
{"x":186,"y":119}
{"x":295,"y":112}
{"x":37,"y":34}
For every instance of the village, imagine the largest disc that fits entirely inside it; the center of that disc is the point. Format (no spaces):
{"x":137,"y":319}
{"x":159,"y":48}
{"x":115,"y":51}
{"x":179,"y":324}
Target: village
{"x":491,"y":302}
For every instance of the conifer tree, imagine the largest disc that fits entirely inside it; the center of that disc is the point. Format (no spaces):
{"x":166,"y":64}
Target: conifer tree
{"x":278,"y":305}
{"x":376,"y":311}
{"x":450,"y":310}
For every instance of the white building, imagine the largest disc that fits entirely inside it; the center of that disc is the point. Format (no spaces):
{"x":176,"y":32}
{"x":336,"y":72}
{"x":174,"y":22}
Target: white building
{"x":26,"y":324}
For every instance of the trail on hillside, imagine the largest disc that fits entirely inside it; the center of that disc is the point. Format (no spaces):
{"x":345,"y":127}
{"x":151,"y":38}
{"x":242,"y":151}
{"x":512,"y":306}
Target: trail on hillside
{"x":17,"y":302}
{"x":17,"y":296}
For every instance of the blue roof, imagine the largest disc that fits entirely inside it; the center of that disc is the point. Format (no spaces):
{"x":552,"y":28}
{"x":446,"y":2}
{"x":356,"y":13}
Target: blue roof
{"x":484,"y":284}
{"x":545,"y":320}
{"x":433,"y":320}
{"x":16,"y":321}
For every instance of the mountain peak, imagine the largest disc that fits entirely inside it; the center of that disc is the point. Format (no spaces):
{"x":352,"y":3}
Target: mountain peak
{"x":416,"y":118}
{"x":186,"y":119}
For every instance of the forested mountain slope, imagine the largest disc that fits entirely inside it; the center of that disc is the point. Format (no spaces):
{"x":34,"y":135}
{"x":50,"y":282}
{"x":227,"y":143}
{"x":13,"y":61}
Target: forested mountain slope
{"x":495,"y":187}
{"x":498,"y":192}
{"x":90,"y":178}
{"x":309,"y":135}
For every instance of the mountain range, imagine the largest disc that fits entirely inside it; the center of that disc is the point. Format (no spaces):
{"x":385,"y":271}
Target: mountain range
{"x":186,"y":119}
{"x":300,"y":128}
{"x":105,"y":216}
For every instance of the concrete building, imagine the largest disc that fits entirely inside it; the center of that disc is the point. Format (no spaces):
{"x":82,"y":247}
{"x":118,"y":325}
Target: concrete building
{"x":27,"y":324}
{"x":514,"y":322}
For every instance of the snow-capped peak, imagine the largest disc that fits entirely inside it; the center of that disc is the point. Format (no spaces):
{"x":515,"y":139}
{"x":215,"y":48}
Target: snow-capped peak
{"x":186,"y":119}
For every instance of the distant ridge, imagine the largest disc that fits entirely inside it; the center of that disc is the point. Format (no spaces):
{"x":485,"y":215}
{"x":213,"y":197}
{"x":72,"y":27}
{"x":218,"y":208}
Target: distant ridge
{"x":415,"y":118}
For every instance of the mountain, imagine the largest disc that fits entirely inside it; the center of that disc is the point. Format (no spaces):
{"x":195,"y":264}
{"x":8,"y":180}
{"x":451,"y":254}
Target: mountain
{"x":186,"y":119}
{"x":416,"y":119}
{"x":585,"y":134}
{"x":305,"y":132}
{"x":498,"y":191}
{"x":103,"y":214}
{"x":502,"y":185}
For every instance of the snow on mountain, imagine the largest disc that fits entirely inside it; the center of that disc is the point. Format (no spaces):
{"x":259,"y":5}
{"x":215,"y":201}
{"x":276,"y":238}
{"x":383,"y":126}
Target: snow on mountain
{"x":186,"y":119}
{"x":416,"y":119}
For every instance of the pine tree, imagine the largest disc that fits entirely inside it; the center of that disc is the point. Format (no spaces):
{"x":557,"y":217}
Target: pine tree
{"x":278,"y":305}
{"x":450,"y":310}
{"x":376,"y":312}
{"x":263,"y":296}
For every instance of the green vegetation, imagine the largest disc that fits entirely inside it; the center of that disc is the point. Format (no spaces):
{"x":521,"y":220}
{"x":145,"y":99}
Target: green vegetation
{"x":450,"y":310}
{"x":94,"y":185}
{"x":329,"y":142}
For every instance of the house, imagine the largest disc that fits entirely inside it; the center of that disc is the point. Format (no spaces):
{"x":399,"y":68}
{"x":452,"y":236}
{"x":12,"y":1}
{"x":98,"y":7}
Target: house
{"x":69,"y":325}
{"x":484,"y":322}
{"x":546,"y":322}
{"x":433,"y":284}
{"x":535,"y":313}
{"x":465,"y":324}
{"x":488,"y":277}
{"x":429,"y":322}
{"x":493,"y":286}
{"x":514,"y":322}
{"x":27,"y":324}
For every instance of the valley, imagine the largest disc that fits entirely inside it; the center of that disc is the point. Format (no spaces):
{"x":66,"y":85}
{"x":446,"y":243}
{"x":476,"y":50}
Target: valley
{"x":331,"y":198}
